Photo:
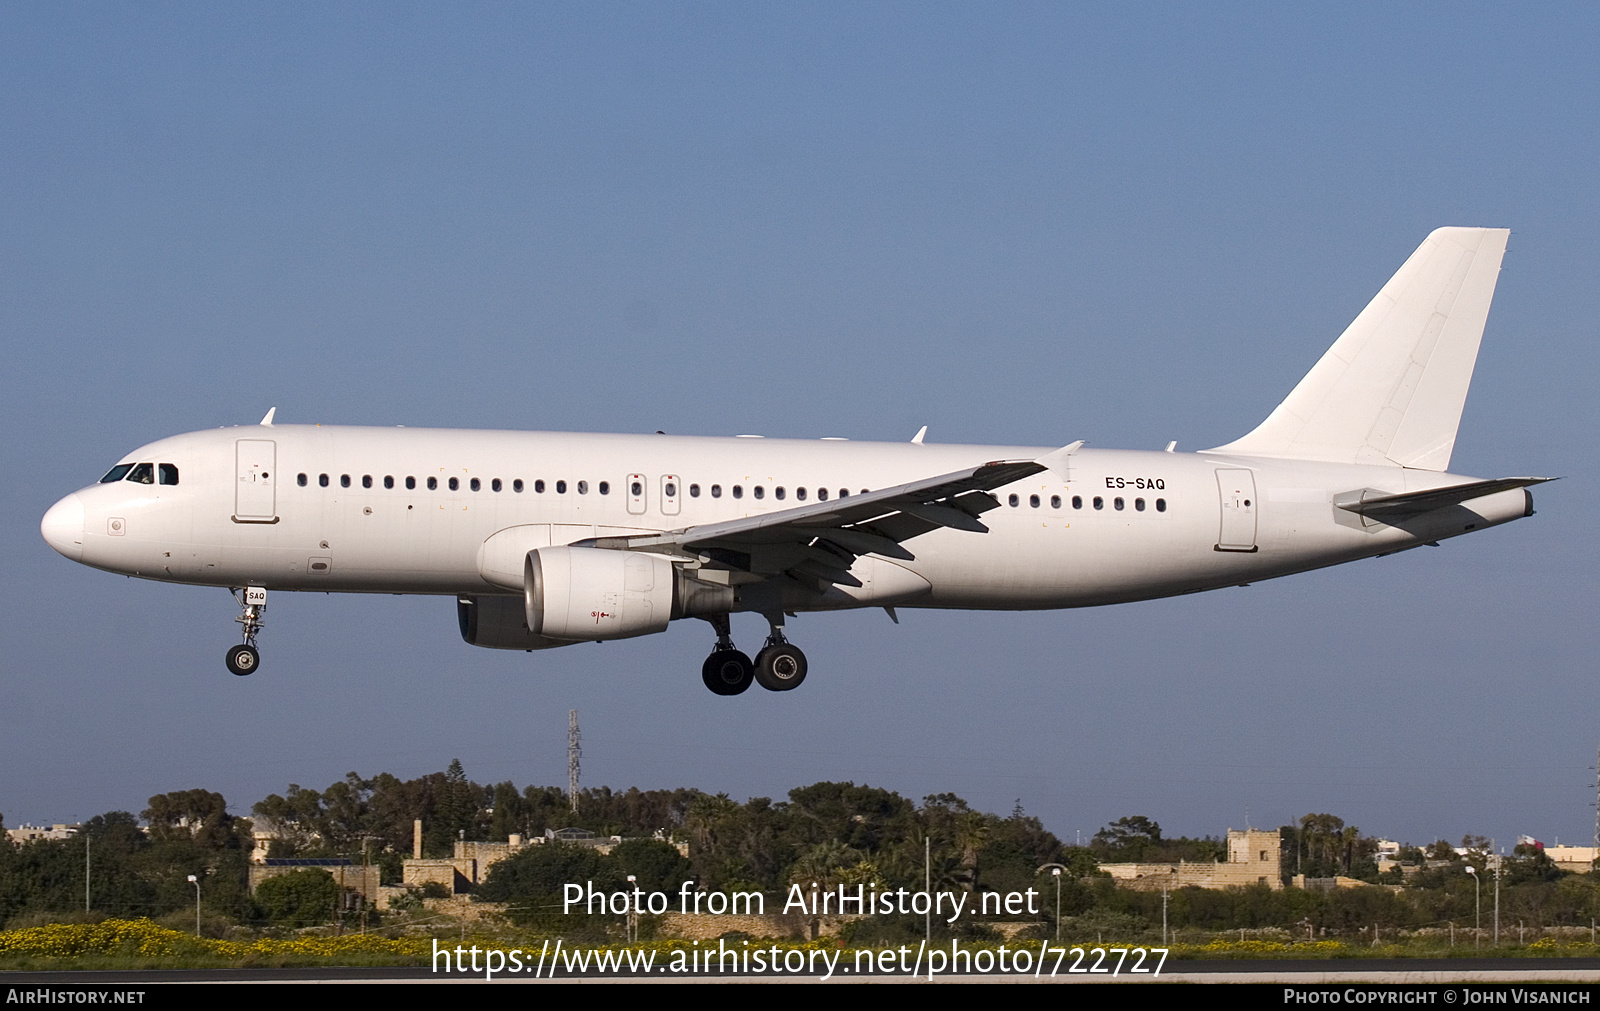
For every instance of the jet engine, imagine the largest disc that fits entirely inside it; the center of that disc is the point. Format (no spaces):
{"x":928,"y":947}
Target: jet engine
{"x":594,"y":594}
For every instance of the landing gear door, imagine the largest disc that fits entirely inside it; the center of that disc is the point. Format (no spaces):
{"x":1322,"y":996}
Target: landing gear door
{"x":1237,"y":489}
{"x":255,"y":498}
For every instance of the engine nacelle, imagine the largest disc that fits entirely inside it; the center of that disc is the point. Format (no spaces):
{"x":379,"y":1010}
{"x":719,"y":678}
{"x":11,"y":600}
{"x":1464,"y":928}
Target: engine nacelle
{"x":499,"y":623}
{"x":592,"y":594}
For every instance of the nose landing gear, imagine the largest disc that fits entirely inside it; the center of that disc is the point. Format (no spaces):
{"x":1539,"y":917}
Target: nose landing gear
{"x":245,"y":658}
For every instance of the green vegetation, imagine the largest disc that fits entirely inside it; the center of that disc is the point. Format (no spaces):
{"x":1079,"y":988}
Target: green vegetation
{"x":829,"y":834}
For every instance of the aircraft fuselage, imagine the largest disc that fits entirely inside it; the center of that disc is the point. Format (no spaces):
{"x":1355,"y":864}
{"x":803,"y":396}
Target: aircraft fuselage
{"x":250,"y":509}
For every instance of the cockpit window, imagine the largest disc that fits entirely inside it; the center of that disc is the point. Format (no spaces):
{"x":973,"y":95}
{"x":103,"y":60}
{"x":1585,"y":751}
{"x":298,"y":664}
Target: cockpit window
{"x":168,"y":473}
{"x":117,"y":473}
{"x":144,"y":473}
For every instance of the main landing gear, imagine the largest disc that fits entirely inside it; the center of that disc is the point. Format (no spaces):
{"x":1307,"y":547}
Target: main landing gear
{"x":245,"y":658}
{"x":779,"y":667}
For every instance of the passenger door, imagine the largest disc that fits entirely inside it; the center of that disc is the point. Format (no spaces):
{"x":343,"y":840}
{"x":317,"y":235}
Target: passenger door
{"x":1237,"y":491}
{"x":255,"y":497}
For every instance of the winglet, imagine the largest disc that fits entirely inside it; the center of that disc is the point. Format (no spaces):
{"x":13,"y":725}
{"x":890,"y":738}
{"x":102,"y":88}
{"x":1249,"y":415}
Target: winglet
{"x":1058,"y":460}
{"x":267,"y":421}
{"x":917,"y":439}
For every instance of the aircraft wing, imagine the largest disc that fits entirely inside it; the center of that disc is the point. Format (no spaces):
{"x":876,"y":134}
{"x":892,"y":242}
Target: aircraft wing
{"x":818,"y":543}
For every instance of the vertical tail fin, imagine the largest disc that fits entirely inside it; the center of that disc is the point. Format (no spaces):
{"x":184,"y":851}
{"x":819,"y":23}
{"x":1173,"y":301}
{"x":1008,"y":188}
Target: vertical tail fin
{"x":1391,"y":389}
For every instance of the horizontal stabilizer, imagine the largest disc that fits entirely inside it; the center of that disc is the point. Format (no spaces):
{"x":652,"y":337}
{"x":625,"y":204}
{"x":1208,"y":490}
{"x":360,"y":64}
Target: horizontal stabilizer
{"x":1378,"y":505}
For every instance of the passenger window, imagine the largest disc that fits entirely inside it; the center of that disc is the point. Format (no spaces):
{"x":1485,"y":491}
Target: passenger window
{"x":561,"y":487}
{"x":476,"y":485}
{"x":738,"y":491}
{"x":144,"y":473}
{"x":433,"y":484}
{"x":495,"y":485}
{"x":670,"y":490}
{"x":1117,"y":502}
{"x":301,"y":480}
{"x":1014,"y":501}
{"x":388,"y":481}
{"x":760,"y":491}
{"x":583,"y":487}
{"x":322,"y":479}
{"x":538,"y":486}
{"x":844,"y":492}
{"x":778,"y":492}
{"x":694,"y":491}
{"x":716,"y":491}
{"x":605,"y":487}
{"x":1055,"y":501}
{"x":1077,"y":501}
{"x":1161,"y":505}
{"x":1099,"y":503}
{"x":116,"y":473}
{"x":1138,"y":504}
{"x":168,"y":473}
{"x":411,"y":483}
{"x":366,"y":480}
{"x":455,"y":484}
{"x":1033,"y":500}
{"x":516,"y":486}
{"x":800,"y":493}
{"x":344,"y":480}
{"x":822,"y":494}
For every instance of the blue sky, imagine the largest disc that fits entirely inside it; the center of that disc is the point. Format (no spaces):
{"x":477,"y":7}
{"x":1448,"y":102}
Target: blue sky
{"x":1014,"y":224}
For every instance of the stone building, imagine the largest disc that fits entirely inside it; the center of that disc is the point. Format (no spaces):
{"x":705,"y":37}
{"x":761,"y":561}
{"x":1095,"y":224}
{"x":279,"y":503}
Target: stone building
{"x":1253,"y":859}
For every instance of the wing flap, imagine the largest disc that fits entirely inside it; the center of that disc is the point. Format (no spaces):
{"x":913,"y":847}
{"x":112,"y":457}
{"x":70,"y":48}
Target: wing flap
{"x":816,"y":544}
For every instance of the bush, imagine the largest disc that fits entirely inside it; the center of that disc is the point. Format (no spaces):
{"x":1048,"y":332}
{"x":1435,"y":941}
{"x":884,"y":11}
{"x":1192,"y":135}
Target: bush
{"x":302,"y":898}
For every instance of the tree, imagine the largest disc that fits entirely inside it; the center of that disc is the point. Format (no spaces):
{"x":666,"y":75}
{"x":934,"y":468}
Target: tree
{"x":658,"y":866}
{"x":199,"y":815}
{"x":1127,"y":838}
{"x":1440,"y":849}
{"x":302,"y":898}
{"x":532,"y":882}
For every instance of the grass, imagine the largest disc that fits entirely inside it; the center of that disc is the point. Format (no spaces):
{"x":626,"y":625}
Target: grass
{"x":144,"y":944}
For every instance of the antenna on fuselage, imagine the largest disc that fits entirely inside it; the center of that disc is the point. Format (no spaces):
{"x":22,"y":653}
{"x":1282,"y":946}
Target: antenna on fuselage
{"x":267,"y":418}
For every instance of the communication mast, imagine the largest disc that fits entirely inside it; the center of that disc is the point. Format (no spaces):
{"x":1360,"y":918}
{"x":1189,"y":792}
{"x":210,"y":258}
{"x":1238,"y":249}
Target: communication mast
{"x":574,"y":752}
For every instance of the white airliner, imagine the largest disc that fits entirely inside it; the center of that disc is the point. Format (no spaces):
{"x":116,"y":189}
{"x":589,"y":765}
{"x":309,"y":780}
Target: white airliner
{"x":547,"y":539}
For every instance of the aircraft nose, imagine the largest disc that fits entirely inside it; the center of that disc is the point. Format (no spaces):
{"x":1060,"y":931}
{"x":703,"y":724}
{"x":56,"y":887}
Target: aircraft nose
{"x":62,"y":527}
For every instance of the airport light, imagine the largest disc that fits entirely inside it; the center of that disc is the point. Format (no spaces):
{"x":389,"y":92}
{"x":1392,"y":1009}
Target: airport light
{"x":1477,"y":892}
{"x":1055,"y":872}
{"x":193,"y":880}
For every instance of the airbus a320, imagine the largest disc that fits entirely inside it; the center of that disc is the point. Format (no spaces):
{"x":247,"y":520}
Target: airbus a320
{"x":548,"y":539}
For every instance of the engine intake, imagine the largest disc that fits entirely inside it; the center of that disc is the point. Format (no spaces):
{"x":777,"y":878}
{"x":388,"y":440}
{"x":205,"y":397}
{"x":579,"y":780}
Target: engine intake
{"x":596,"y":594}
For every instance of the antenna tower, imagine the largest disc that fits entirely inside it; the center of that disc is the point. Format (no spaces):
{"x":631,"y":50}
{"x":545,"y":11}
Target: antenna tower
{"x":574,"y":752}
